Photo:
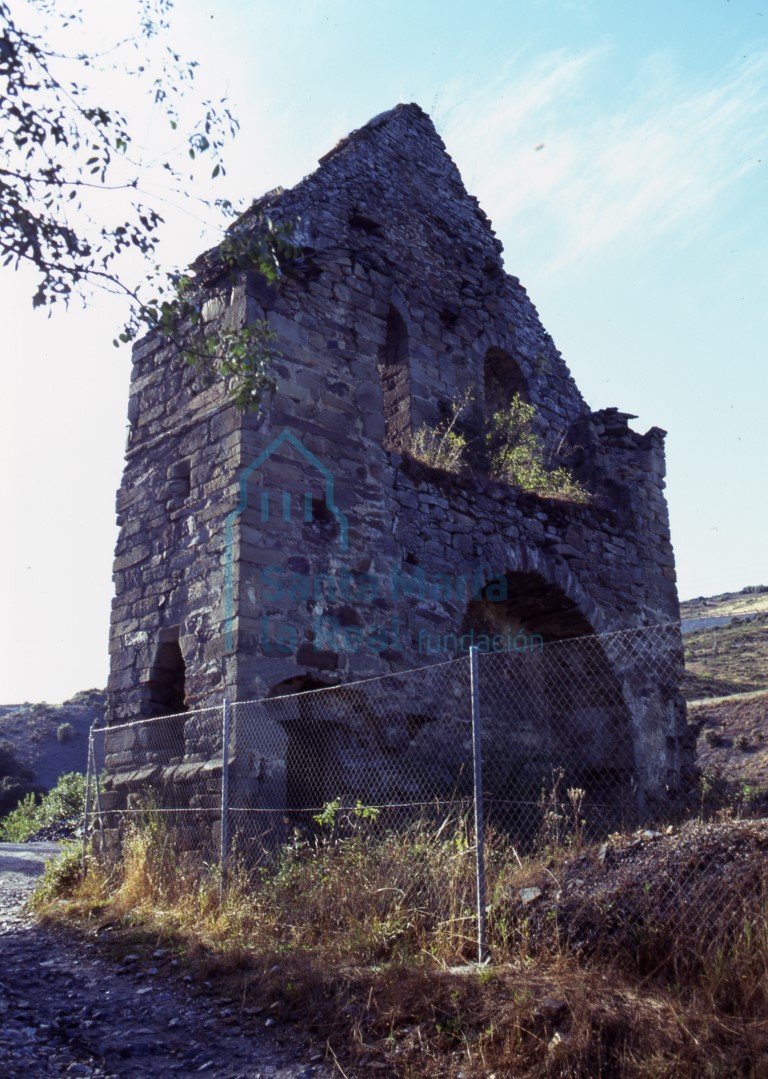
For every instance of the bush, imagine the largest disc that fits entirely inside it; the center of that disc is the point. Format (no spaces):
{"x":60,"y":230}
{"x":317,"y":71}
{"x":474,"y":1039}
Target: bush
{"x":65,"y":802}
{"x":439,"y":448}
{"x":65,"y":732}
{"x":516,"y":455}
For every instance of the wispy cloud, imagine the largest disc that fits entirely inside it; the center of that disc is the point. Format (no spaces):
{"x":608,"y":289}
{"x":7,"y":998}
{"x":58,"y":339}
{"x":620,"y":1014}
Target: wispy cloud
{"x":597,"y":167}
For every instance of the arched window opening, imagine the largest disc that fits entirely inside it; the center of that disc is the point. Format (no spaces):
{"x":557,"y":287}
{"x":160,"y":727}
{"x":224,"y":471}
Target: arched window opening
{"x":502,"y":379}
{"x":165,"y":689}
{"x":165,"y":695}
{"x":395,"y":383}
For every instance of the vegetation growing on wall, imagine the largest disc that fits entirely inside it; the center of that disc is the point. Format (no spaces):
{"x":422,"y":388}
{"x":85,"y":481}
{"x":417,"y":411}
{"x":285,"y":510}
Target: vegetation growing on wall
{"x":516,"y":455}
{"x":442,"y":446}
{"x":512,"y":450}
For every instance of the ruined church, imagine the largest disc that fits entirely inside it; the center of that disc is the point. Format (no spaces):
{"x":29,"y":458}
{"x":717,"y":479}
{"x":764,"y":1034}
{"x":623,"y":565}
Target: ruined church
{"x":310,"y":544}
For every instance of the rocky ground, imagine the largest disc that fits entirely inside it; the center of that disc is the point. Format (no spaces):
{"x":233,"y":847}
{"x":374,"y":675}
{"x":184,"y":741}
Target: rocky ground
{"x":654,"y":896}
{"x":67,"y":1011}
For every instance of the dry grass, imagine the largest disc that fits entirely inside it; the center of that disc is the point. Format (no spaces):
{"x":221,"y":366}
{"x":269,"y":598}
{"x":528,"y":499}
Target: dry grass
{"x":730,"y":604}
{"x":729,"y":660}
{"x":368,"y":942}
{"x":733,"y":739}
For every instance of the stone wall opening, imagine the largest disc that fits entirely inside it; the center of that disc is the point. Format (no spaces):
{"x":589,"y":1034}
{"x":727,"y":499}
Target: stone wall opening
{"x":502,"y":379}
{"x":308,"y":755}
{"x":396,"y":383}
{"x":320,"y":523}
{"x":181,"y":478}
{"x":165,"y":695}
{"x":529,"y":604}
{"x":553,"y":708}
{"x":165,"y":688}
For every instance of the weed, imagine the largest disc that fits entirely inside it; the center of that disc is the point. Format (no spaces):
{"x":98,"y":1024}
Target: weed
{"x":62,"y":877}
{"x":443,"y":446}
{"x":514,"y":452}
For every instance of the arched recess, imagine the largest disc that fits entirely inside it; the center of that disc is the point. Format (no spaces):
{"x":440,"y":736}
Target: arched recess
{"x":502,"y":379}
{"x":309,"y":750}
{"x":526,"y":602}
{"x":396,"y":383}
{"x":165,"y":695}
{"x":165,"y":689}
{"x":552,"y":706}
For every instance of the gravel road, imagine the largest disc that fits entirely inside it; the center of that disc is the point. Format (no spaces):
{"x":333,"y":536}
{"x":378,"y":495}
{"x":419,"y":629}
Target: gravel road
{"x":67,"y":1011}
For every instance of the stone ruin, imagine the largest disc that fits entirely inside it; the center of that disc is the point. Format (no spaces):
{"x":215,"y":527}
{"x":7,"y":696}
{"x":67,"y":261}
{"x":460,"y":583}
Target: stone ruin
{"x":306,"y":545}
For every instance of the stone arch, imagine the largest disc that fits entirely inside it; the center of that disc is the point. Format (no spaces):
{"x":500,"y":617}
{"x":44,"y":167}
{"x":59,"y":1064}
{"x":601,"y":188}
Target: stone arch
{"x":394,"y":371}
{"x":502,"y":379}
{"x":551,"y":702}
{"x":554,"y":572}
{"x":527,"y":603}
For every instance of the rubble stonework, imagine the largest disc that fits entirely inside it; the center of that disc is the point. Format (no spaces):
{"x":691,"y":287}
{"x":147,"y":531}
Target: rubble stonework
{"x":304,"y":546}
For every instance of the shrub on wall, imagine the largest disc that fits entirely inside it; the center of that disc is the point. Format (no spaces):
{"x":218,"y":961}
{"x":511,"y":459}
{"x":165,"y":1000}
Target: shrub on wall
{"x":514,"y":452}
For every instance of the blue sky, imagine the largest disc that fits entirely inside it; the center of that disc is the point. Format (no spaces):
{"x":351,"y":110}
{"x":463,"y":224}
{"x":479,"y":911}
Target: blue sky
{"x":620,"y":150}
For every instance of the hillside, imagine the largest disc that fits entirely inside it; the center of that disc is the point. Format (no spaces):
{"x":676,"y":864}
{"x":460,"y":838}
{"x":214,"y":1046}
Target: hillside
{"x":727,"y":659}
{"x":750,"y":600}
{"x":726,"y":684}
{"x":33,"y":754}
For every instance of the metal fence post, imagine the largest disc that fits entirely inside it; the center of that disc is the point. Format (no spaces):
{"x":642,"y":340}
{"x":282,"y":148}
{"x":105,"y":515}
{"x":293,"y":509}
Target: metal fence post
{"x":225,"y":725}
{"x":88,"y":780}
{"x":477,"y":760}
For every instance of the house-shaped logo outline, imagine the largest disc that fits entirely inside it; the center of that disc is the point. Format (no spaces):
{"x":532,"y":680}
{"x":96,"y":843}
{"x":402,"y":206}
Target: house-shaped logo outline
{"x":285,"y":436}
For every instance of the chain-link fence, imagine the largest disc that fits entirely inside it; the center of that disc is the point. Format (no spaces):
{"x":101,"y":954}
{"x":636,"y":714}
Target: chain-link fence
{"x":585,"y":734}
{"x":166,"y":768}
{"x":553,"y":742}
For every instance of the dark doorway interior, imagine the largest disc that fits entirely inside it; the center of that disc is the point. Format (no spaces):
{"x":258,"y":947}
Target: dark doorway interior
{"x":165,"y":693}
{"x":308,"y":755}
{"x":167,"y":678}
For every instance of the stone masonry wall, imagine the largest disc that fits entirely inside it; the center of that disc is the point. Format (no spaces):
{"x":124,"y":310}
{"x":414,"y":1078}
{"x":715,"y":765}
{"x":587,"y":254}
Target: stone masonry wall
{"x":270,"y":564}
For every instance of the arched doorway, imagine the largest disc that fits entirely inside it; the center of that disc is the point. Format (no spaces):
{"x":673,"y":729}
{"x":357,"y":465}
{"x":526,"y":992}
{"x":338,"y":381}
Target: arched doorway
{"x":165,"y":695}
{"x":554,"y":713}
{"x":308,"y":752}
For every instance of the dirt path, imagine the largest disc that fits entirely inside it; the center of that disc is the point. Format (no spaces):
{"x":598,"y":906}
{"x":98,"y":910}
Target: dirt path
{"x":66,"y":1011}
